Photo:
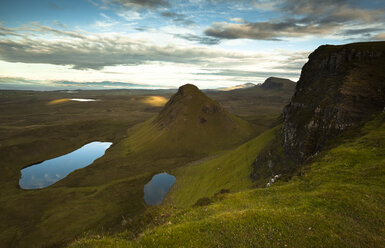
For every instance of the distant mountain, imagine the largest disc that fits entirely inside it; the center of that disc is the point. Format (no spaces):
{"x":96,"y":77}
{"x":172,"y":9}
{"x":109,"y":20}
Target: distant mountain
{"x":275,"y":83}
{"x":236,"y":87}
{"x":339,"y":87}
{"x":189,"y":124}
{"x":260,"y":104}
{"x":272,"y":86}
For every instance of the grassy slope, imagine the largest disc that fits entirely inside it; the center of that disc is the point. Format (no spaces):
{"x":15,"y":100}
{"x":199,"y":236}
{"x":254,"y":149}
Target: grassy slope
{"x":32,"y":131}
{"x":229,"y":171}
{"x":339,"y":202}
{"x":187,"y":139}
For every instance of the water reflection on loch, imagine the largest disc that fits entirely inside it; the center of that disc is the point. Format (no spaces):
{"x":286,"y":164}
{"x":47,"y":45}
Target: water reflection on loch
{"x":44,"y":174}
{"x":156,"y":189}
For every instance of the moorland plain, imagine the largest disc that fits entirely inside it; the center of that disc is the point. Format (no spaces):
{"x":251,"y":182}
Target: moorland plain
{"x":36,"y":126}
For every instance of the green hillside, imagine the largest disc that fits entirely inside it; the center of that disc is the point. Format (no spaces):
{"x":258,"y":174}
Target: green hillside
{"x":190,"y":124}
{"x":338,"y":201}
{"x":228,"y":172}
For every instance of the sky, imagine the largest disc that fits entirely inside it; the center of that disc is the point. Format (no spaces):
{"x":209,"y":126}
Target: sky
{"x":105,"y":44}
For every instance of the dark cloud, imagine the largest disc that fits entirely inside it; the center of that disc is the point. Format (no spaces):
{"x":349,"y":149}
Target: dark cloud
{"x":141,"y":3}
{"x":4,"y":31}
{"x":55,"y":6}
{"x":59,"y":24}
{"x":104,"y":84}
{"x":143,"y":28}
{"x":178,"y":18}
{"x":249,"y":75}
{"x":265,"y":30}
{"x":200,"y":39}
{"x":293,"y":62}
{"x":302,"y":18}
{"x":35,"y":28}
{"x":91,"y":51}
{"x":12,"y":83}
{"x":334,"y":12}
{"x":45,"y":29}
{"x":18,"y":83}
{"x":380,"y":36}
{"x":360,"y":31}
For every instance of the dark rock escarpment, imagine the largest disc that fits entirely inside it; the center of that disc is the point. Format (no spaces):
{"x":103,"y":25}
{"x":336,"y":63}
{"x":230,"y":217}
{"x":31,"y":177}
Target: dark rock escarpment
{"x":339,"y":87}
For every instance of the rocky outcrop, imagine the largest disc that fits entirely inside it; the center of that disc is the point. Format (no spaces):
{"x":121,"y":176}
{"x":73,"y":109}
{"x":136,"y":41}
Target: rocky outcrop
{"x":339,"y":87}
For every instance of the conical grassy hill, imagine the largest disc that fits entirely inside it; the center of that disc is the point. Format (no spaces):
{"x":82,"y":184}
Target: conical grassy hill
{"x":190,"y":124}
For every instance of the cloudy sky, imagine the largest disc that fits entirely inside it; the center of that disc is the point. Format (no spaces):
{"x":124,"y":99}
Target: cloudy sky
{"x":59,"y":44}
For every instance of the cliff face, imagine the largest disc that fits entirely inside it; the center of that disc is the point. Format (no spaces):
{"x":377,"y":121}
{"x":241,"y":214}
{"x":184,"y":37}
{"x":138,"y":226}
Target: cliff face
{"x":339,"y":87}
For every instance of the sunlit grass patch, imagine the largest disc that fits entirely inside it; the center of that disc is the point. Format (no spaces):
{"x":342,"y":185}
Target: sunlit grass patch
{"x":57,"y":101}
{"x":157,"y":101}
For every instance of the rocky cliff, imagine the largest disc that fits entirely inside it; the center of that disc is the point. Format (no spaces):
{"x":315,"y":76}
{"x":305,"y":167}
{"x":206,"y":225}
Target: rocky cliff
{"x":339,"y":86}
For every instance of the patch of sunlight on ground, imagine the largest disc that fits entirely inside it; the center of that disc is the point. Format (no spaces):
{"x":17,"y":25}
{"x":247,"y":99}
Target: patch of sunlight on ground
{"x":58,"y":101}
{"x":157,"y":101}
{"x":236,"y":87}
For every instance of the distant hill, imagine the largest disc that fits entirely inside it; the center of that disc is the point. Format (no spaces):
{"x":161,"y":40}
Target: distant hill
{"x":272,"y":86}
{"x":275,"y":83}
{"x":261,"y":104}
{"x":236,"y":87}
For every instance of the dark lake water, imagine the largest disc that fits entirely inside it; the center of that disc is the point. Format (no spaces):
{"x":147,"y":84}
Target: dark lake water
{"x":44,"y":174}
{"x":156,"y":189}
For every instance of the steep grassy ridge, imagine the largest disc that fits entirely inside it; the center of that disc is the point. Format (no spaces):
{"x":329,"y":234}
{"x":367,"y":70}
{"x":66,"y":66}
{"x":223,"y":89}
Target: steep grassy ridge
{"x":228,"y":172}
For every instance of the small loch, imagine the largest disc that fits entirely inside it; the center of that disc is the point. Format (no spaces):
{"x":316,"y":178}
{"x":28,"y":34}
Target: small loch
{"x":46,"y":173}
{"x":156,"y":189}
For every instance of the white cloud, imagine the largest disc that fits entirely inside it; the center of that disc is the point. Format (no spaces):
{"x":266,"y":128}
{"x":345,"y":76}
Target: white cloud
{"x":130,"y":16}
{"x":152,"y":57}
